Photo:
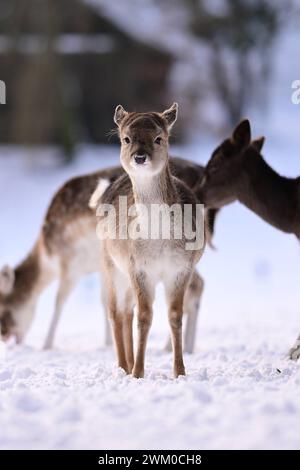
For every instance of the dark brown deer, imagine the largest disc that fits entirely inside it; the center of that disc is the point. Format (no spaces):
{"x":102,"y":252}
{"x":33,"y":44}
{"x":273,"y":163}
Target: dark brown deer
{"x":237,"y":171}
{"x":66,"y":249}
{"x":132,"y":266}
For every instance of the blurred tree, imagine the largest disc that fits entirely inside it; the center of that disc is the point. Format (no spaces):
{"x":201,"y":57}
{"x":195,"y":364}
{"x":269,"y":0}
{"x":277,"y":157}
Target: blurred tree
{"x":67,"y":65}
{"x":42,"y":112}
{"x":240,"y":34}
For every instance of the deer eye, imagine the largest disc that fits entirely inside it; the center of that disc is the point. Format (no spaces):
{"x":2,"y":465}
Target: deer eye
{"x":158,"y":140}
{"x":126,"y":140}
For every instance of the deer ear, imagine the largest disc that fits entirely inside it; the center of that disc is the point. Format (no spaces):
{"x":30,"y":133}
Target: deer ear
{"x":170,"y":115}
{"x":258,"y":143}
{"x":242,"y":134}
{"x":7,"y":280}
{"x":120,"y":114}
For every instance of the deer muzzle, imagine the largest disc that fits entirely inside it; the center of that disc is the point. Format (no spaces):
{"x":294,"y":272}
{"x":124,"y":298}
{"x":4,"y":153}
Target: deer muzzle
{"x":141,"y":159}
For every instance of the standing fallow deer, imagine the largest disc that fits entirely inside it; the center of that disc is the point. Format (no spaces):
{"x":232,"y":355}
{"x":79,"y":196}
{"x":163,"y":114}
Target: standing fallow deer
{"x":237,"y":171}
{"x":66,"y":250}
{"x":133,"y":265}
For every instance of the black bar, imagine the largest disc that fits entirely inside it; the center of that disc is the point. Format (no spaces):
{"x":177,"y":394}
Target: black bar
{"x":136,"y":458}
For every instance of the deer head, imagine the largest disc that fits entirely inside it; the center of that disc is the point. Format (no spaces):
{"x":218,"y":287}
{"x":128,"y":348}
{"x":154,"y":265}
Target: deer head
{"x":222,"y":175}
{"x":144,"y":139}
{"x":15,"y":312}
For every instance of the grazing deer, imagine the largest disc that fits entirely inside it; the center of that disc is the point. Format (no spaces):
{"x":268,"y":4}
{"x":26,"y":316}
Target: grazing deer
{"x":66,"y":249}
{"x":132,"y":266}
{"x":237,"y":171}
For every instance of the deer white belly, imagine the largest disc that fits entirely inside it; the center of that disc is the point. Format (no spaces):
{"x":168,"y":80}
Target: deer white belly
{"x":163,"y":263}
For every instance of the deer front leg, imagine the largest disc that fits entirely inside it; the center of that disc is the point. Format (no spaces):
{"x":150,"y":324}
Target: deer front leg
{"x":175,"y":295}
{"x":175,"y":321}
{"x":117,"y":323}
{"x":144,"y":299}
{"x":128,"y":340}
{"x":114,"y":291}
{"x":294,"y":352}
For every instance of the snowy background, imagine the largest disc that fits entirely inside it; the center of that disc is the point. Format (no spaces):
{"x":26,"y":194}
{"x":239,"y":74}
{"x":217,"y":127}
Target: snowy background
{"x":239,"y":393}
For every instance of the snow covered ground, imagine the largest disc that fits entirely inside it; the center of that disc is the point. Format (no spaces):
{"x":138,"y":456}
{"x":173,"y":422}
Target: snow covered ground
{"x":232,"y":397}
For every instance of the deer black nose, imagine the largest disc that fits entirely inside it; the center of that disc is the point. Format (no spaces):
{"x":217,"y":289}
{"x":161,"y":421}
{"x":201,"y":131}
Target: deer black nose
{"x":140,"y":159}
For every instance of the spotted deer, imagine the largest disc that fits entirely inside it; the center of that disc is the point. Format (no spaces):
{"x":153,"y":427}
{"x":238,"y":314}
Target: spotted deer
{"x":237,"y":171}
{"x":132,"y":266}
{"x":66,"y":250}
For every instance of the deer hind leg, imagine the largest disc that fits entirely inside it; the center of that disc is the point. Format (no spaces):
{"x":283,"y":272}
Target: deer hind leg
{"x":294,"y":352}
{"x":175,"y":295}
{"x":66,"y":285}
{"x":128,"y":339}
{"x":191,"y":304}
{"x":175,"y":290}
{"x":144,"y":291}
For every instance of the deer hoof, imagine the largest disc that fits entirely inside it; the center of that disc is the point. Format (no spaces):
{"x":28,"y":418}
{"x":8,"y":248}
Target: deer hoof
{"x":179,"y":371}
{"x":138,"y":373}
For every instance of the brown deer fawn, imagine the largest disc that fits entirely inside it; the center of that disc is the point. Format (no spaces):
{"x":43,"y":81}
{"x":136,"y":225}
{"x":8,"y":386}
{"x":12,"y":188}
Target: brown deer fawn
{"x":237,"y":171}
{"x":133,"y":265}
{"x":66,"y":249}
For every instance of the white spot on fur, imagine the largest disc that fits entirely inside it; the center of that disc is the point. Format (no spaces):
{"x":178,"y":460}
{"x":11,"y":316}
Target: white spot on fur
{"x":99,"y":191}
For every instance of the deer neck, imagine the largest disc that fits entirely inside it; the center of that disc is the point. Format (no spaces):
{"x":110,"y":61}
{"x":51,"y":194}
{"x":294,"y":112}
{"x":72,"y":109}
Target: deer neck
{"x":272,"y":197}
{"x":32,"y":276}
{"x":154,"y":189}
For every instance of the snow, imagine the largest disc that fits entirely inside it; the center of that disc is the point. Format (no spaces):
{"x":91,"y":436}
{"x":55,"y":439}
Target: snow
{"x":233,"y":397}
